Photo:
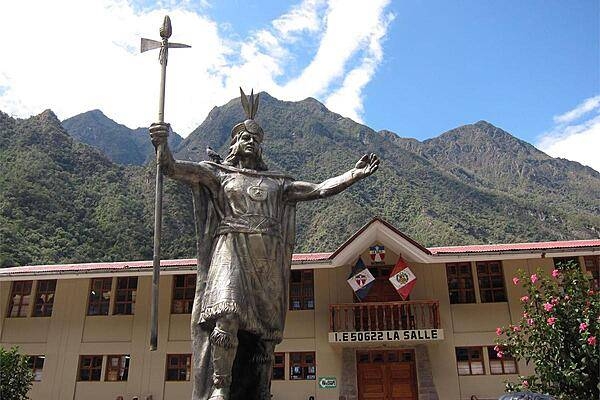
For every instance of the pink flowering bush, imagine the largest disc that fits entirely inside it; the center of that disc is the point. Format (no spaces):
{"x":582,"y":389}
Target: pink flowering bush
{"x":557,"y":334}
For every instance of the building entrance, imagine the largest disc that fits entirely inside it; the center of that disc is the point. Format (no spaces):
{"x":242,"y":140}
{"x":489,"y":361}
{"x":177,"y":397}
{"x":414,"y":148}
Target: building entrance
{"x":386,"y":375}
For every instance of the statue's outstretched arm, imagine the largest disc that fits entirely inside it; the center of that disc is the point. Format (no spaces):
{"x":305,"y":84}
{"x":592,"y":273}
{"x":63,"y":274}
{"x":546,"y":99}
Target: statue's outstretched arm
{"x":303,"y":191}
{"x":186,"y":171}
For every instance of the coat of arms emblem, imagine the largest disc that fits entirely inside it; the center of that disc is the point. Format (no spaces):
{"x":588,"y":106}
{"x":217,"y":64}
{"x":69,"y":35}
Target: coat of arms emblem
{"x":402,"y":278}
{"x":377,"y":253}
{"x":360,"y":279}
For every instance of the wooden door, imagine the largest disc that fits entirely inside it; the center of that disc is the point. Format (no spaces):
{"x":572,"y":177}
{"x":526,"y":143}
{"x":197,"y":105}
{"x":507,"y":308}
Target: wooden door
{"x":386,"y":375}
{"x":372,"y":382}
{"x":401,"y":381}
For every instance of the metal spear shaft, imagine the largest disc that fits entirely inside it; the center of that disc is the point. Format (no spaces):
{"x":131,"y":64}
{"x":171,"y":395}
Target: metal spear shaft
{"x":164,"y":45}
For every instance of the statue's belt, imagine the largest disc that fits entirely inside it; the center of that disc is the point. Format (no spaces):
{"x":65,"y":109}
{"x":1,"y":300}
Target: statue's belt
{"x":250,"y":223}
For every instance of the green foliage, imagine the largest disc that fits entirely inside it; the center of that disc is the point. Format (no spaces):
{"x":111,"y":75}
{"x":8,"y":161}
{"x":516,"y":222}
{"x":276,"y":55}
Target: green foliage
{"x":558,"y":333}
{"x":61,"y":201}
{"x":15,"y":375}
{"x":553,"y":190}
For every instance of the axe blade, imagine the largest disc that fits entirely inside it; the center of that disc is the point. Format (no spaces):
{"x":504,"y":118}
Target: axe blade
{"x":149,"y":44}
{"x":178,"y":45}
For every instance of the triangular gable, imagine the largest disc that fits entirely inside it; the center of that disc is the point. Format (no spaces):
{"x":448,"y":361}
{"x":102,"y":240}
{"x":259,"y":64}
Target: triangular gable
{"x":379,"y":231}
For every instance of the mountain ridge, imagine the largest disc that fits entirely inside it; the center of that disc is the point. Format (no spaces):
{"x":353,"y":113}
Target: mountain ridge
{"x":121,"y":144}
{"x":436,"y":192}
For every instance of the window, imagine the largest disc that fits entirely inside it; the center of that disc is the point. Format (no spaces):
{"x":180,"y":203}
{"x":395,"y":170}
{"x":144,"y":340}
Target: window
{"x":90,"y":368}
{"x":505,"y":365}
{"x":36,"y":363}
{"x":179,"y":367}
{"x":469,"y":361}
{"x":19,"y":299}
{"x":117,"y":368}
{"x":303,"y":366}
{"x":125,"y":296}
{"x":491,"y":281}
{"x":460,"y":283}
{"x":184,"y":290}
{"x":592,"y":266}
{"x":302,"y":290}
{"x":279,"y":367}
{"x":44,"y":299}
{"x":99,"y":299}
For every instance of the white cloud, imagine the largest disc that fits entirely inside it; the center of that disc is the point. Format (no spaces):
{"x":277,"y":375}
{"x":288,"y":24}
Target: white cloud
{"x":585,"y":107}
{"x":348,"y":97}
{"x":303,"y":17}
{"x":576,"y":138}
{"x":73,"y":56}
{"x":349,"y":27}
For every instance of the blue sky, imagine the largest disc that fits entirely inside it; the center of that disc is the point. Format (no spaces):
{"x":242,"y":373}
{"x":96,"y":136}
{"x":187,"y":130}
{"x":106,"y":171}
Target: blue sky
{"x":513,"y":63}
{"x":417,"y":68}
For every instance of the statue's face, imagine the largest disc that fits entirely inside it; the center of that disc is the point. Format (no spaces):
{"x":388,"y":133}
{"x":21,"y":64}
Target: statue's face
{"x":248,"y":144}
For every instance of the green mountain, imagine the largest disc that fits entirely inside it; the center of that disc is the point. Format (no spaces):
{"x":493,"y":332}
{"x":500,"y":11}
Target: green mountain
{"x":121,"y":144}
{"x":435,"y":201}
{"x":61,"y":200}
{"x":491,"y":159}
{"x":64,"y":201}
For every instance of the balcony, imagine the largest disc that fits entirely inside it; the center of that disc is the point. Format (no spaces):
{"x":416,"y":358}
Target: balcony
{"x":385,"y":321}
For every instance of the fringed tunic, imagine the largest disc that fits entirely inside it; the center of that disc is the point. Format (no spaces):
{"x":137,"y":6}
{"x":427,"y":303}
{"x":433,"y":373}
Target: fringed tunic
{"x":251,"y":252}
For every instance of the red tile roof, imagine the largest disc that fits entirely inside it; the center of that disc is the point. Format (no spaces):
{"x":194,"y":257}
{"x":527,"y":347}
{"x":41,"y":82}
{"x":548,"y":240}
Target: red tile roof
{"x":129,"y":265}
{"x":481,"y":248}
{"x":300,"y":258}
{"x":95,"y":267}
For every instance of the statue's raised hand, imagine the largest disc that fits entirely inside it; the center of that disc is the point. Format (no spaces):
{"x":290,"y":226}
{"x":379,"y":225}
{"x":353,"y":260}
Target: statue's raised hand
{"x":366,"y":165}
{"x":159,"y":132}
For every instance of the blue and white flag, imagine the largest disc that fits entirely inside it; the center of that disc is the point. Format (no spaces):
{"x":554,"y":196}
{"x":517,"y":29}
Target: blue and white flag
{"x":361,"y":279}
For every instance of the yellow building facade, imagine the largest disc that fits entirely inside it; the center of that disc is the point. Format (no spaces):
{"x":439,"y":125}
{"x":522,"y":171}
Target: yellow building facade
{"x":86,"y":327}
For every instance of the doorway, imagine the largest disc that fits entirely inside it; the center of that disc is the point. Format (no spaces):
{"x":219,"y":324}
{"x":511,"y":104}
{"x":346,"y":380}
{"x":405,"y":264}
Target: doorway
{"x":386,"y":375}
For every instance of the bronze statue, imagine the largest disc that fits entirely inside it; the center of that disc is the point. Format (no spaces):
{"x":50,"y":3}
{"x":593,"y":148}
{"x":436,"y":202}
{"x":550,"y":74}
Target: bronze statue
{"x":245,"y":224}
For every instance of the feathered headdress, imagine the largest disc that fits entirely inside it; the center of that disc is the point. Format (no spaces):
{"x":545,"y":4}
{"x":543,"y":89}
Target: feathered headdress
{"x":250,"y":105}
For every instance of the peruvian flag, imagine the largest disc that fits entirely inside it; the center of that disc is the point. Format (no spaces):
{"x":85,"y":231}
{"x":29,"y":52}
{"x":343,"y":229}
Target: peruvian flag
{"x":402,"y":278}
{"x":361,"y":279}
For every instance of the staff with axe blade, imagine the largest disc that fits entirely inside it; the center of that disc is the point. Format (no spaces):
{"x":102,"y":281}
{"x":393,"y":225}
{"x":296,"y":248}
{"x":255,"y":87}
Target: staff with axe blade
{"x":164,"y":45}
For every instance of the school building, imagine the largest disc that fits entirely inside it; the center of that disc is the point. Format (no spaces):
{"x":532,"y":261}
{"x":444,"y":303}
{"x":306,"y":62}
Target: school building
{"x":86,"y":327}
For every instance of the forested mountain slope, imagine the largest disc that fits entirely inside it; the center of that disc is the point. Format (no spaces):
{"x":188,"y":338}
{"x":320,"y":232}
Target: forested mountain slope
{"x":63,"y":201}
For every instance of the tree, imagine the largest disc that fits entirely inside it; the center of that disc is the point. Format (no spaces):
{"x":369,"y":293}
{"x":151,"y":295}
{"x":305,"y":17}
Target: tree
{"x":558,"y":333}
{"x":15,"y":375}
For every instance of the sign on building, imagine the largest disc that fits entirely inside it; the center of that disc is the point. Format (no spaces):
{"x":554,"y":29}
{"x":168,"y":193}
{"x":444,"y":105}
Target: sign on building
{"x":327,"y":382}
{"x":412,"y":335}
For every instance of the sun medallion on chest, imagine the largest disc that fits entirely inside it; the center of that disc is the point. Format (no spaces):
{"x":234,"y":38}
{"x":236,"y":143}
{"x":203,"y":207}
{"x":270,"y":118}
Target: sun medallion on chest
{"x":257,"y":192}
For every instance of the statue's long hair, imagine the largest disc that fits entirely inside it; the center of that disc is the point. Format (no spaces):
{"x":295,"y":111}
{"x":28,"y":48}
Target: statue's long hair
{"x":233,"y":157}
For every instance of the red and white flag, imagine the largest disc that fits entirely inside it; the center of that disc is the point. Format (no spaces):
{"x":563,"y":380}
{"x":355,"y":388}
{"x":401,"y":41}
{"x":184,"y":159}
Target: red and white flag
{"x":402,"y":278}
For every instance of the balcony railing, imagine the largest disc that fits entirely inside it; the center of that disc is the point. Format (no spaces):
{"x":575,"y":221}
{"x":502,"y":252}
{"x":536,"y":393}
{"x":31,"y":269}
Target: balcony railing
{"x":384,"y":316}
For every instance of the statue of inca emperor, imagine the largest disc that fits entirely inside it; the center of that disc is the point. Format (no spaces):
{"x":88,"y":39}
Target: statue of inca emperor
{"x":245,"y":223}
